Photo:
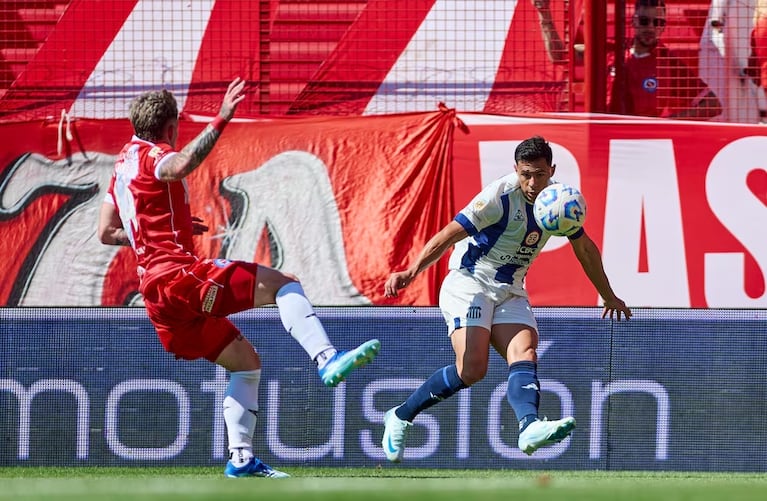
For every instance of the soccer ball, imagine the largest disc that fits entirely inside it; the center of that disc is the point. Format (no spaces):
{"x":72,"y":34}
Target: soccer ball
{"x":560,"y":209}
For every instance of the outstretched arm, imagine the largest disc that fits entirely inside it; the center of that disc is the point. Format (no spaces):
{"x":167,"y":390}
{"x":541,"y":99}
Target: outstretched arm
{"x":555,"y":47}
{"x":588,"y":254}
{"x":191,"y":156}
{"x":430,"y":254}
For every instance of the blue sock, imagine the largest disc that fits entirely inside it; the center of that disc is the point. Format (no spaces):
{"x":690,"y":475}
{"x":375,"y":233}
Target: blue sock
{"x":524,"y":392}
{"x":441,"y":385}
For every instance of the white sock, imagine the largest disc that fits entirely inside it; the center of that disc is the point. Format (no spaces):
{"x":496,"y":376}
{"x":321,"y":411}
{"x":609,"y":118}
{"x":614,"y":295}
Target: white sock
{"x":324,"y":357}
{"x":240,"y":456}
{"x":299,"y":319}
{"x":240,"y":414}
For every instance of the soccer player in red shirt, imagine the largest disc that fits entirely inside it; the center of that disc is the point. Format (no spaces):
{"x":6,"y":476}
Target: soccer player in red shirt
{"x":187,"y":298}
{"x":656,"y":82}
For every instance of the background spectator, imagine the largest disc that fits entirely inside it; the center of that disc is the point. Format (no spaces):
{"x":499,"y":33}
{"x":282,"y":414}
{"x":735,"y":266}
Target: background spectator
{"x":759,"y":46}
{"x":711,"y":52}
{"x":655,"y":81}
{"x":724,"y":63}
{"x":555,"y":46}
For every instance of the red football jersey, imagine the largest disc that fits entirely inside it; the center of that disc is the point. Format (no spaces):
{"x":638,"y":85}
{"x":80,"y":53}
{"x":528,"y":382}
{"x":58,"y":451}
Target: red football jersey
{"x":657,"y":84}
{"x":155,"y":214}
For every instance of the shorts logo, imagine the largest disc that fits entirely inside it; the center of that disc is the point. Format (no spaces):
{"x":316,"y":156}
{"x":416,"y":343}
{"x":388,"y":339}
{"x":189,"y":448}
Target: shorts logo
{"x":210,"y":299}
{"x":221,"y":263}
{"x":474,"y":312}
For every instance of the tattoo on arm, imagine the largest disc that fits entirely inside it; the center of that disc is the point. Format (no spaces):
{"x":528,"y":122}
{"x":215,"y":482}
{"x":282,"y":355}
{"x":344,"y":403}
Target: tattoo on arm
{"x":192,"y":155}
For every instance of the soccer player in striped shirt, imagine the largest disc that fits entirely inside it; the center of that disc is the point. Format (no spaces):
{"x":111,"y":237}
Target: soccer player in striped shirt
{"x":484,"y":302}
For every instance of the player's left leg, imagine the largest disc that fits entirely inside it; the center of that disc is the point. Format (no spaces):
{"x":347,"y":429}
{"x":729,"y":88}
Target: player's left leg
{"x":300,"y":320}
{"x":517,"y":342}
{"x":242,"y":285}
{"x":241,"y":410}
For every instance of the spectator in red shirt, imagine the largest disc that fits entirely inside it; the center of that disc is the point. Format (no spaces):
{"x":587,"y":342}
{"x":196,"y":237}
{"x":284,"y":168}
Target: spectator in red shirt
{"x":655,"y":82}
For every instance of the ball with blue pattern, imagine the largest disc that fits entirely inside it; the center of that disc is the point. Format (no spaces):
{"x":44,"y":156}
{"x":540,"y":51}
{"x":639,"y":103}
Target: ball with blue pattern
{"x":560,"y":209}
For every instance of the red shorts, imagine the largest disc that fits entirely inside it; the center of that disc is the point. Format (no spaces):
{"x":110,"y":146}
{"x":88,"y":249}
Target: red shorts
{"x":188,"y":309}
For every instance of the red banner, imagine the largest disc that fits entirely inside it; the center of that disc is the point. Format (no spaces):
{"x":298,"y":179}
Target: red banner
{"x":338,"y":202}
{"x":678,"y":209}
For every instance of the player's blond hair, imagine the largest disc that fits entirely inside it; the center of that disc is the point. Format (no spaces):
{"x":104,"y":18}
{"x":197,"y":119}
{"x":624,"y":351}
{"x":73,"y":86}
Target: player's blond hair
{"x":150,"y":113}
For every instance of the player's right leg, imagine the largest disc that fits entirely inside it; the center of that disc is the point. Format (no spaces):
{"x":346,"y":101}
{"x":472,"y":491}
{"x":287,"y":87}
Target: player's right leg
{"x":468,"y":316}
{"x":443,"y":384}
{"x":471,"y":345}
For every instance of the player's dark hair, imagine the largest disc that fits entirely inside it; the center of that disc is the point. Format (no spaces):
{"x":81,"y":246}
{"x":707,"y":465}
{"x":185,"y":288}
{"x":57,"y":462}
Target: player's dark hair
{"x":532,"y":149}
{"x":150,"y":113}
{"x":649,"y":3}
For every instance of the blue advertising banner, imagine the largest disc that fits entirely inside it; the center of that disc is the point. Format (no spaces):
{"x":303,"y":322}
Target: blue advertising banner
{"x":669,"y":390}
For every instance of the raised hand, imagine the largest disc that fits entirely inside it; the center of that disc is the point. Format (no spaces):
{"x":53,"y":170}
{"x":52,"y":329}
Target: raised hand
{"x":232,"y":98}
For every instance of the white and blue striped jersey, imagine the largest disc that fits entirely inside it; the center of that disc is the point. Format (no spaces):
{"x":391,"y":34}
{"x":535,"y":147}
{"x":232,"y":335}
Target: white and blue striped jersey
{"x":504,"y":238}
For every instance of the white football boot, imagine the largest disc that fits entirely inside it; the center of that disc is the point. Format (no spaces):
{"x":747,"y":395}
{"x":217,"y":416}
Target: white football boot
{"x":395,"y":433}
{"x":543,"y":432}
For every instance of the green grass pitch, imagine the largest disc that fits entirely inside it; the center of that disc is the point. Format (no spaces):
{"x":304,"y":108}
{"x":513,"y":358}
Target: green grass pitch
{"x":367,"y":484}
